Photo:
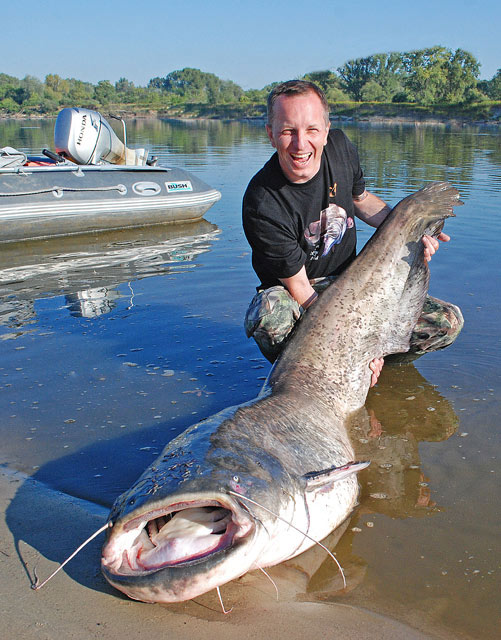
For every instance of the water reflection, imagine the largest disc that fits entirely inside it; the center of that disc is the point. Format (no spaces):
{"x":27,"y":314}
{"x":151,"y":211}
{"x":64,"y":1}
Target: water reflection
{"x":403,"y":411}
{"x":398,"y":154}
{"x":88,"y":269}
{"x":409,"y":156}
{"x":92,"y":302}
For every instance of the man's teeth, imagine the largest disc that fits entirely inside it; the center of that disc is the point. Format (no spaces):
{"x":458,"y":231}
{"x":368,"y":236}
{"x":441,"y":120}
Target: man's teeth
{"x":300,"y":156}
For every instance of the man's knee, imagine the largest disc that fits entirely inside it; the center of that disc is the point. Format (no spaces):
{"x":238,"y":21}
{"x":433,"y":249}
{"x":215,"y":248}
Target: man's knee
{"x":438,"y":326}
{"x":270,"y":319}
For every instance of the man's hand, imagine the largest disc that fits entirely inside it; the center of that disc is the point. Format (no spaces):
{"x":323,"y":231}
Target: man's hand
{"x":431,"y":244}
{"x":375,"y":366}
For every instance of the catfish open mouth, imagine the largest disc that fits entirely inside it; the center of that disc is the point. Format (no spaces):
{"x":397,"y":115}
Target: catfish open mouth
{"x":179,"y":534}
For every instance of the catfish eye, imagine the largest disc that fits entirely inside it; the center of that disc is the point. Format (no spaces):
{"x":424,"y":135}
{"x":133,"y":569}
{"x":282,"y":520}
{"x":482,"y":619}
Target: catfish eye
{"x":236,"y":479}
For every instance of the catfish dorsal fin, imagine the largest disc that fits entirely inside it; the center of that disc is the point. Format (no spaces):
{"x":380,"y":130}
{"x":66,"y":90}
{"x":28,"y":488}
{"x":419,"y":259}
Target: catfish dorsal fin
{"x":316,"y":479}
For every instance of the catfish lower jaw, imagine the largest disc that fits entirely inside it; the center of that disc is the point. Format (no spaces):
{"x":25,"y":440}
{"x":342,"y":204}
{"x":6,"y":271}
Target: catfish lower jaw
{"x":180,"y":534}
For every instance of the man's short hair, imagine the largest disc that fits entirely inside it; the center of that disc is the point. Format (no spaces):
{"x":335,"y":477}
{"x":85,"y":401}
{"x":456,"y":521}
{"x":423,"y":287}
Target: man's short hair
{"x":295,"y":88}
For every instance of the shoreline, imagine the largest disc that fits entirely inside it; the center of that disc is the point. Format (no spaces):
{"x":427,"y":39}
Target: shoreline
{"x":339,"y":113}
{"x":78,"y":603}
{"x":338,"y":120}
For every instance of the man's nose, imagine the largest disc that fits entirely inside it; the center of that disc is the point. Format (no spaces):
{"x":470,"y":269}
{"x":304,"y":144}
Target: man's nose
{"x":300,"y":139}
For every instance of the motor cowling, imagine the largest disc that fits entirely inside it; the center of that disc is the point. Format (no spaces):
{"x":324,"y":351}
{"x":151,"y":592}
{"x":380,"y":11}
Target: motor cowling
{"x":85,"y":137}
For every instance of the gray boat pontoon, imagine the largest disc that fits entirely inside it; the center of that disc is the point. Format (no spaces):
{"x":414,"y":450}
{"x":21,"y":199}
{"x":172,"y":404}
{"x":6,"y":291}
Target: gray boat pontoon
{"x":93,"y":182}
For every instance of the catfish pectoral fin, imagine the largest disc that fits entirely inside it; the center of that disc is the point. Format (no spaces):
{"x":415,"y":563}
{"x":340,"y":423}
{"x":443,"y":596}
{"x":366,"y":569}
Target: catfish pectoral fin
{"x":315,"y":479}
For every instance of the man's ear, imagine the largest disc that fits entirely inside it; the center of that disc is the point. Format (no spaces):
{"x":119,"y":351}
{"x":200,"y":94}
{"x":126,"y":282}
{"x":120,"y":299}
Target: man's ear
{"x":270,"y":136}
{"x":328,"y":129}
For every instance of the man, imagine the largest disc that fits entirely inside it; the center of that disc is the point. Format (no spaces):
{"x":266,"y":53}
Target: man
{"x":298,"y":216}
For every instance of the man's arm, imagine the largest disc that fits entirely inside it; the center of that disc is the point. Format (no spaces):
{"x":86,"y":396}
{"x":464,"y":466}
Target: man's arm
{"x":370,"y":208}
{"x":300,"y":288}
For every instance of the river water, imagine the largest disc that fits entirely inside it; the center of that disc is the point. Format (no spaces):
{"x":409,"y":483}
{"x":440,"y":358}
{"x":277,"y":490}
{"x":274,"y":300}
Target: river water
{"x":111,"y":344}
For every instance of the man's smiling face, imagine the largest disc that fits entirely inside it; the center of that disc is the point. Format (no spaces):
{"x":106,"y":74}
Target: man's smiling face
{"x":299,"y":133}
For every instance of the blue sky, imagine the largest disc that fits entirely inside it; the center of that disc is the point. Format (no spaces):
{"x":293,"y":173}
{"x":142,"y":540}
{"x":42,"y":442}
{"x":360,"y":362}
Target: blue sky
{"x":252,"y":43}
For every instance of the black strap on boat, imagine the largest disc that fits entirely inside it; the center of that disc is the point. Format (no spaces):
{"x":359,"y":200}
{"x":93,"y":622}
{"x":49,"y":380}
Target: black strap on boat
{"x":53,"y":156}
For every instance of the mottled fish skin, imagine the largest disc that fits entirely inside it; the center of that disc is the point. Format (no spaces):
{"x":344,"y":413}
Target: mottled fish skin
{"x":288,"y":449}
{"x":370,"y":310}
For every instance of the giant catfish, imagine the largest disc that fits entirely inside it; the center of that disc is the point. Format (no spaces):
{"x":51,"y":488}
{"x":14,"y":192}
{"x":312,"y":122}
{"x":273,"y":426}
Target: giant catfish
{"x":192,"y":522}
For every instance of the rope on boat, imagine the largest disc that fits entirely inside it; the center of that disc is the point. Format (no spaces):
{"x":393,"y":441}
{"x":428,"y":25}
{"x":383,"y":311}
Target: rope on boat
{"x":58,"y":191}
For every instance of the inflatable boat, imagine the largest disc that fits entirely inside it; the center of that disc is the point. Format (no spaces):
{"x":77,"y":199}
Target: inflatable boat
{"x":92,"y":182}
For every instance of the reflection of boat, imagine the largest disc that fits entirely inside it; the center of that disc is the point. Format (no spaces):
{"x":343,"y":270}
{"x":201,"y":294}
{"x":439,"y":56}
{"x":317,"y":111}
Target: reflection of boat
{"x":94,"y":182}
{"x":80,"y":266}
{"x":92,"y":303}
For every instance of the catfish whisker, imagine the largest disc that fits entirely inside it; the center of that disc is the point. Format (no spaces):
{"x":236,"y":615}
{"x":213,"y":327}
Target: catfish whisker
{"x":221,"y":601}
{"x":254,"y":517}
{"x":36,"y":585}
{"x":270,"y":579}
{"x":306,"y":535}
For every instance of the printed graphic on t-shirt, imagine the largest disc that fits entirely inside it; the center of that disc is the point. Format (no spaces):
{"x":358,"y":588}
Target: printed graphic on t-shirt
{"x":328,"y":231}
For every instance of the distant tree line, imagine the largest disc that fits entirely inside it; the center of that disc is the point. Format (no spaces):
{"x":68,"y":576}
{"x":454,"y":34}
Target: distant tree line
{"x":434,"y":76}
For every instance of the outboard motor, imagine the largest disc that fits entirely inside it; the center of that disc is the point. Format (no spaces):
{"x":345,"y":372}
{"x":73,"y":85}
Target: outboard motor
{"x":85,"y":137}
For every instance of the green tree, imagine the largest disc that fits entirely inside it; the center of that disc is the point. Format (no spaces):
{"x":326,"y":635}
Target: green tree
{"x":104,"y":92}
{"x":79,"y":92}
{"x":427,"y":76}
{"x":8,"y":85}
{"x":34,"y":100}
{"x":372,"y":91}
{"x":212,"y":87}
{"x":18,"y":94}
{"x":462,"y":74}
{"x":8,"y":80}
{"x":330,"y":83}
{"x":10,"y":105}
{"x":254,"y":95}
{"x":157,"y":84}
{"x":32,"y":85}
{"x":47,"y":105}
{"x":229,"y":92}
{"x":336,"y":95}
{"x":125,"y":90}
{"x":187,"y":83}
{"x":56,"y":83}
{"x":324,"y":79}
{"x":193,"y":85}
{"x":439,"y":75}
{"x":492,"y":87}
{"x":385,"y":69}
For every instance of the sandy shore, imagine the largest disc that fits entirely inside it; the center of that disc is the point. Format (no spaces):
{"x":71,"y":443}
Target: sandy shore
{"x":40,"y":527}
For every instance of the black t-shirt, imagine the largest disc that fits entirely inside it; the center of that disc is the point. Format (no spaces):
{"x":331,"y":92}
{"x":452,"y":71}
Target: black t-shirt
{"x":289,"y":225}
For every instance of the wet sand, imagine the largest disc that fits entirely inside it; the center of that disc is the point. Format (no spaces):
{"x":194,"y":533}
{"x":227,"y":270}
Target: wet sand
{"x":40,"y":527}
